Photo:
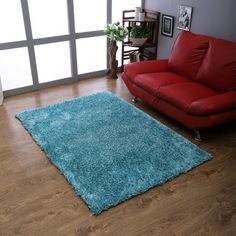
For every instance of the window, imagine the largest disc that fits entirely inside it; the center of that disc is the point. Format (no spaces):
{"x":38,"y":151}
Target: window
{"x":42,"y":41}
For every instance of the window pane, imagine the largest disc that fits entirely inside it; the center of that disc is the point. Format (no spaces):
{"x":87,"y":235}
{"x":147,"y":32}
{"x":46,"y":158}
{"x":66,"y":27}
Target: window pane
{"x":48,"y":17}
{"x":90,"y":15}
{"x":91,"y":54}
{"x":53,"y":61}
{"x":15,"y":68}
{"x":120,"y":5}
{"x":11,"y":21}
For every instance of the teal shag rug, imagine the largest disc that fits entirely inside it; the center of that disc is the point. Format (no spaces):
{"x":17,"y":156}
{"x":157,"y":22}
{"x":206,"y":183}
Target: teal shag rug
{"x":107,"y":149}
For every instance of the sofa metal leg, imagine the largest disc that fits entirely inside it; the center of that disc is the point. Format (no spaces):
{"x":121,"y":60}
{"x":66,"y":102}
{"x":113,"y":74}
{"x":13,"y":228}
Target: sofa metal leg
{"x":135,"y":99}
{"x":197,"y":135}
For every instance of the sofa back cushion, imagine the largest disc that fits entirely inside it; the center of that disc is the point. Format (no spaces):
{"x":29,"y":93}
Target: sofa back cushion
{"x":187,"y":54}
{"x":218,"y":69}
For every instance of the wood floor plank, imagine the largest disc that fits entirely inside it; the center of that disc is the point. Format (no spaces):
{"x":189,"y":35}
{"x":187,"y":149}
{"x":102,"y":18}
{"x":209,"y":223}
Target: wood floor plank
{"x":35,"y":199}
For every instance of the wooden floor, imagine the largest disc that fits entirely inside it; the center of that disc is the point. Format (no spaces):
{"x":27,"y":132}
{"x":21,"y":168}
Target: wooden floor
{"x":36,"y":200}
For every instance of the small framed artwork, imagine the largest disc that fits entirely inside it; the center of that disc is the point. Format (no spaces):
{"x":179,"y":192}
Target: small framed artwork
{"x":167,"y":25}
{"x":184,"y":17}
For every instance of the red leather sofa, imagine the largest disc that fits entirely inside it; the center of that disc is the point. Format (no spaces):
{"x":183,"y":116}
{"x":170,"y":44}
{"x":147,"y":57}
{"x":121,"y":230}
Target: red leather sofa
{"x":195,"y":86}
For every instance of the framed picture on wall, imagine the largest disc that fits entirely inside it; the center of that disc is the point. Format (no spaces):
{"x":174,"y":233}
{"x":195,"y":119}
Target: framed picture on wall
{"x":167,"y":25}
{"x":184,"y":17}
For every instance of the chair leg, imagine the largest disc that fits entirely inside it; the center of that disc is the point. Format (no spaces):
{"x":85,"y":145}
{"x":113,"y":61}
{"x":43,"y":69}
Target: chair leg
{"x":197,"y":135}
{"x":135,"y":100}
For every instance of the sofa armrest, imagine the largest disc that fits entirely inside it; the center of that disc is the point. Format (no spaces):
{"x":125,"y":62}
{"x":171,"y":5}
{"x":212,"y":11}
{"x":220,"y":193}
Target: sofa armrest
{"x":152,"y":66}
{"x":214,"y":104}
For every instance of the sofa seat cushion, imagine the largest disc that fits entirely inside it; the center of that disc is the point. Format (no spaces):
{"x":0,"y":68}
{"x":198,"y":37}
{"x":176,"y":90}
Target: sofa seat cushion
{"x":153,"y":81}
{"x":214,"y":104}
{"x":182,"y":95}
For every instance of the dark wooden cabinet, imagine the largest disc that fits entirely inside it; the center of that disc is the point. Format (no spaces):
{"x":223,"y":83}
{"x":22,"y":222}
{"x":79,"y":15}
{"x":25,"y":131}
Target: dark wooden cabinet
{"x":148,"y":51}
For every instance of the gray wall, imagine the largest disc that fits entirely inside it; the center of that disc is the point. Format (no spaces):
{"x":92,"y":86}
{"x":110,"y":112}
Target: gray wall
{"x":211,"y":17}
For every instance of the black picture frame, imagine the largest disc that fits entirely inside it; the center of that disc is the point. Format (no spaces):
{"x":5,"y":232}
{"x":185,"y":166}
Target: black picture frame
{"x":167,"y":25}
{"x":184,"y":17}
